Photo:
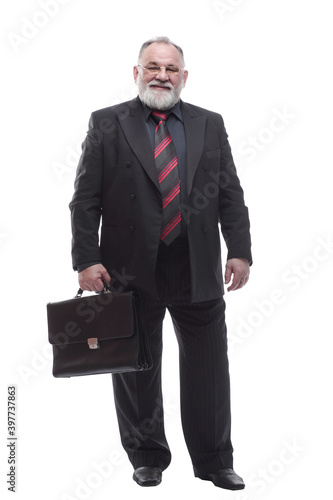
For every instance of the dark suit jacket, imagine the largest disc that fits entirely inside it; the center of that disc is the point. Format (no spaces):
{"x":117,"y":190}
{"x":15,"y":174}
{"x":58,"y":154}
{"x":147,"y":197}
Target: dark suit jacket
{"x":117,"y":183}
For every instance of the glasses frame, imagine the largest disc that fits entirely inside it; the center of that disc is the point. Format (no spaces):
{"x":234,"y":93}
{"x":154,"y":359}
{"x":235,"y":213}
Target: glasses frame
{"x":160,"y":68}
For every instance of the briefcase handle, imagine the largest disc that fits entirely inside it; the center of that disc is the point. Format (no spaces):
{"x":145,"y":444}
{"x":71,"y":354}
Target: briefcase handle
{"x":80,"y":291}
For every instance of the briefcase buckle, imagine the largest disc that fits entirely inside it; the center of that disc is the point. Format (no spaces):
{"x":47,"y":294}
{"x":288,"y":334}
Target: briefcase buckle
{"x":93,"y":344}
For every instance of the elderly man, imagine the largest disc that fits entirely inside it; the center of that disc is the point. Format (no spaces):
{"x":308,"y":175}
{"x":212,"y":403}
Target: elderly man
{"x":159,"y":174}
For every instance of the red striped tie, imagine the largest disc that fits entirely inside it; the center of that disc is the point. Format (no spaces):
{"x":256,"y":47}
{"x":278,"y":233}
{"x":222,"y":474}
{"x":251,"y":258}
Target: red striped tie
{"x":168,"y":176}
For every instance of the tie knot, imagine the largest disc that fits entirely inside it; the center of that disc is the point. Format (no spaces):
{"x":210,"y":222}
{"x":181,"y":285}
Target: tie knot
{"x":160,"y":116}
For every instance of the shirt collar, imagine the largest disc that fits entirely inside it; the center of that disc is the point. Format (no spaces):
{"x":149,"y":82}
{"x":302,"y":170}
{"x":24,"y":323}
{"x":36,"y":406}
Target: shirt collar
{"x":175,"y":110}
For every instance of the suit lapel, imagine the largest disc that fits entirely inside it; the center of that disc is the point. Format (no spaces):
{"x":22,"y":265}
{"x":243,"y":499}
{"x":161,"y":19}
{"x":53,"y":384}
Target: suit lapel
{"x":135,"y":130}
{"x":194,"y":124}
{"x":134,"y":127}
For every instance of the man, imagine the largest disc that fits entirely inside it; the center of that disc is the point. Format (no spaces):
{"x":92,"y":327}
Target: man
{"x":159,"y":174}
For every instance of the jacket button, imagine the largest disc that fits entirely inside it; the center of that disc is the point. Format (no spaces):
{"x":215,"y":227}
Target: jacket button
{"x":128,"y":164}
{"x":132,"y":228}
{"x":204,"y":167}
{"x":132,"y":196}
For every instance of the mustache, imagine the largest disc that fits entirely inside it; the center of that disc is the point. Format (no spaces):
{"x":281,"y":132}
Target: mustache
{"x":160,"y":84}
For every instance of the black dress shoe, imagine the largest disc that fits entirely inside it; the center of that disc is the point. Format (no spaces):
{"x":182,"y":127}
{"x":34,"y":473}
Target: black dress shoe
{"x":148,"y":476}
{"x":225,"y":478}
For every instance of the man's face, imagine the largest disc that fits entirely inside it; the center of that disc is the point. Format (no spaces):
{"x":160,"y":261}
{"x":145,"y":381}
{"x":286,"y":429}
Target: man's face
{"x":162,"y":90}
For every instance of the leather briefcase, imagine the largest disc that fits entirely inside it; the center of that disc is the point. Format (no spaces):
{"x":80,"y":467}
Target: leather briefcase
{"x":103,"y":333}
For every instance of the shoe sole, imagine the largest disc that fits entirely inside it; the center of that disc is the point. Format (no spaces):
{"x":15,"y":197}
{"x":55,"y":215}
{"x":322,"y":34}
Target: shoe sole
{"x":147,"y":483}
{"x":225,"y":486}
{"x":153,"y":482}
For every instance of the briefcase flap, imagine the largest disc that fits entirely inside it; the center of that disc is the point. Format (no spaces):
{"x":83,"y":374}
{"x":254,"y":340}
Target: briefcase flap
{"x":103,"y":316}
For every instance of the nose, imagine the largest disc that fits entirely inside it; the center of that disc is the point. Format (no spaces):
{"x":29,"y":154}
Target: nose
{"x":162,"y":75}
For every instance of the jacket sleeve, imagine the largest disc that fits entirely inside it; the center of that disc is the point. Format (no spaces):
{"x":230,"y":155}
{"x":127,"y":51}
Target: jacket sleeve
{"x":233,"y":213}
{"x":85,"y":206}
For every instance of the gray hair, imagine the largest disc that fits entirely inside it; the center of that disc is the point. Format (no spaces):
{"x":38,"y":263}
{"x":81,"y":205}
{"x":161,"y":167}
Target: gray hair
{"x":161,"y":39}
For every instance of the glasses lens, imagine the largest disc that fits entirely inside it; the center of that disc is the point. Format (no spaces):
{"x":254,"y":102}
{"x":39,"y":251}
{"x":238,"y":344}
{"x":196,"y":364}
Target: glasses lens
{"x":171,"y":70}
{"x":154,"y":69}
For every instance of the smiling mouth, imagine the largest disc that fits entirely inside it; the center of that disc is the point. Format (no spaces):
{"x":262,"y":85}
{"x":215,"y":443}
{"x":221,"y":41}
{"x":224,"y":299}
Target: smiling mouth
{"x":159,"y":87}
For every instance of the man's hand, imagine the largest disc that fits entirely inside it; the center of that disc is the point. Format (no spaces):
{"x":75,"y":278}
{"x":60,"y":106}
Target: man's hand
{"x":93,"y":278}
{"x":240,"y":269}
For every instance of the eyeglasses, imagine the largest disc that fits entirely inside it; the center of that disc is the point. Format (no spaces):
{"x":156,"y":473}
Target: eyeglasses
{"x":154,"y":70}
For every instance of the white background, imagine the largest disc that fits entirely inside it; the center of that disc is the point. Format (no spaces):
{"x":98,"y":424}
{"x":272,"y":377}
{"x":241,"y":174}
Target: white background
{"x":250,"y":60}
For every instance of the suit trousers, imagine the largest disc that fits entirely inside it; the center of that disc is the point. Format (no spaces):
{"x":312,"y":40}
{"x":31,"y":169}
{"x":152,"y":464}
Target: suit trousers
{"x":204,"y":375}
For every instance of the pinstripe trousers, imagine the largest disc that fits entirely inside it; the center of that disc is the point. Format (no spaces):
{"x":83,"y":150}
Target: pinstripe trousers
{"x":204,"y":375}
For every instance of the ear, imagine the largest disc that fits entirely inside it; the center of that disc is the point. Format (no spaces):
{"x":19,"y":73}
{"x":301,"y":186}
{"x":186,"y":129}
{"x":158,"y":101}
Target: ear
{"x":135,"y":73}
{"x":185,"y":77}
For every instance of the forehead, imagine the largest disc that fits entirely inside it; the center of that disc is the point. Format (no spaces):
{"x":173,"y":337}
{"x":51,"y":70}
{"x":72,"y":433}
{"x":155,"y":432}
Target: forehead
{"x":162,"y":54}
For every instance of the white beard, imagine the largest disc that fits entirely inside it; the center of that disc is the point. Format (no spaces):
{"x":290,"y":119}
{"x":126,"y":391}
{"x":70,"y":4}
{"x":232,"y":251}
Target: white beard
{"x":157,"y":99}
